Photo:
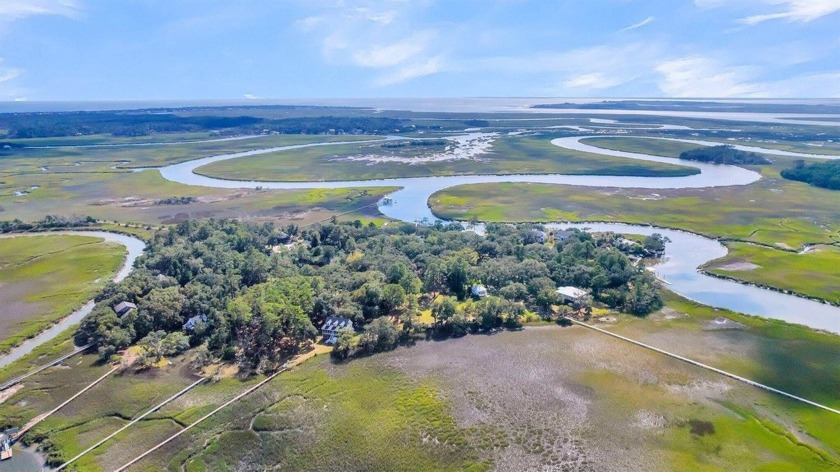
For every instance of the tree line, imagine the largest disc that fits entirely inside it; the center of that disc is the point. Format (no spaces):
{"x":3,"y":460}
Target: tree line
{"x":138,"y":123}
{"x":723,"y":155}
{"x":261,"y":293}
{"x":820,"y":174}
{"x":48,"y":222}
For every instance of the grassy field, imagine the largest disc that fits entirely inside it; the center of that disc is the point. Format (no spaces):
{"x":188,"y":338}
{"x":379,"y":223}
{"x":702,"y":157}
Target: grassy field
{"x":90,"y":159}
{"x":813,"y":273}
{"x":509,"y":155}
{"x":44,"y":278}
{"x":134,"y":196}
{"x":641,"y":145}
{"x":548,"y":396}
{"x":107,"y":139}
{"x":83,"y":181}
{"x":672,"y":149}
{"x":772,"y":212}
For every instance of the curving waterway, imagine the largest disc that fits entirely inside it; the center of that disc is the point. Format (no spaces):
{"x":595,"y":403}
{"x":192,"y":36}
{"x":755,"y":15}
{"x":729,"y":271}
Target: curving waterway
{"x":134,"y":248}
{"x":685,"y":253}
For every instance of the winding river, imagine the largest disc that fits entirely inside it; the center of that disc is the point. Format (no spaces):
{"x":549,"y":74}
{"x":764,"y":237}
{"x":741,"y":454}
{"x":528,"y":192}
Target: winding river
{"x":684,"y":254}
{"x":134,"y":248}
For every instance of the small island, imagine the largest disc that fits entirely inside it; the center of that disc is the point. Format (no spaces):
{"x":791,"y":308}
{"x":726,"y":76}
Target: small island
{"x":821,"y":174}
{"x":723,"y":155}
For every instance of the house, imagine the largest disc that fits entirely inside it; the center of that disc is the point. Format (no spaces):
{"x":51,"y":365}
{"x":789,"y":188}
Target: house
{"x":535,"y":236}
{"x":478,"y":291}
{"x":5,"y":447}
{"x":332,"y":326}
{"x":123,"y":308}
{"x":563,"y":235}
{"x":572,"y":294}
{"x":189,"y":326}
{"x":626,"y":243}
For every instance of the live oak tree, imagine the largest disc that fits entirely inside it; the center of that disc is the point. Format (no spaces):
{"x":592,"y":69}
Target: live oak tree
{"x":259,"y":306}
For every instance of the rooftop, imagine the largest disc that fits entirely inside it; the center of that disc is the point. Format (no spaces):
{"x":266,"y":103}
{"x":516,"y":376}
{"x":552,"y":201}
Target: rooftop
{"x":573,"y":292}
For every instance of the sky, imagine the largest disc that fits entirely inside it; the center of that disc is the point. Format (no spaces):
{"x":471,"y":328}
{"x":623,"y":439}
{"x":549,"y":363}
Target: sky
{"x":274,"y":49}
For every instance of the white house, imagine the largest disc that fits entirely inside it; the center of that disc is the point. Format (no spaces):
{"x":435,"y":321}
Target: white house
{"x":334,"y":324}
{"x":572,"y":294}
{"x":479,"y":291}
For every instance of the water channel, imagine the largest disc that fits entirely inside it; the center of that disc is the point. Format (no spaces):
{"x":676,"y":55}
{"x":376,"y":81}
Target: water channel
{"x":683,"y":255}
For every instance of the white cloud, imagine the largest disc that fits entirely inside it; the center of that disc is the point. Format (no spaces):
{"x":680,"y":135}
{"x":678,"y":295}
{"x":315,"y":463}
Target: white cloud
{"x":8,"y":74}
{"x":8,"y":89}
{"x":382,"y":18}
{"x":638,"y":25}
{"x":578,"y":71}
{"x":308,"y":23}
{"x":411,"y":71}
{"x":381,"y":56}
{"x":364,"y":34}
{"x":18,"y":9}
{"x":802,"y":11}
{"x":698,"y":76}
{"x":595,"y":80}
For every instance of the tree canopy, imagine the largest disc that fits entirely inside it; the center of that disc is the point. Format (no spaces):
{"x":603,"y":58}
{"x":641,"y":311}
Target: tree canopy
{"x":261,"y":302}
{"x":724,"y":155}
{"x":822,"y":174}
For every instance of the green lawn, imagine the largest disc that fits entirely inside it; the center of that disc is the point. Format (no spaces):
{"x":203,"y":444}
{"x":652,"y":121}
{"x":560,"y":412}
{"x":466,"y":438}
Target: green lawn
{"x":509,"y":155}
{"x":44,"y":278}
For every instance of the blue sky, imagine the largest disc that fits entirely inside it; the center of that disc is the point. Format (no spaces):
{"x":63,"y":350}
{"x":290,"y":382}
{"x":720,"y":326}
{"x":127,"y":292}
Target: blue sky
{"x":209,"y":49}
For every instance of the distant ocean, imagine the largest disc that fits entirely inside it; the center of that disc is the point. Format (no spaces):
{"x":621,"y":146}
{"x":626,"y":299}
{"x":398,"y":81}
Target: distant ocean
{"x":465,"y":105}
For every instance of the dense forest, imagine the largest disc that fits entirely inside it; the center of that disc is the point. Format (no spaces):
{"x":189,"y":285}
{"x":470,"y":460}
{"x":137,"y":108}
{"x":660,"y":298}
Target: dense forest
{"x":42,"y":125}
{"x":257,"y":294}
{"x":821,"y":174}
{"x":723,"y":155}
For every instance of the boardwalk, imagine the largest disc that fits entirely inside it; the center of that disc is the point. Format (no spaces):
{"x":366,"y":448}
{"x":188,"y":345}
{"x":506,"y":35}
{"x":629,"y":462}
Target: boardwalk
{"x":132,"y":422}
{"x":17,"y":380}
{"x":708,"y":367}
{"x":200,"y":420}
{"x":34,"y":421}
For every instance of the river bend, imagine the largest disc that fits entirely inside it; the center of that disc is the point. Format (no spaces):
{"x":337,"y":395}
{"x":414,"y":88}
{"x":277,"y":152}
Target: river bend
{"x":683,"y":255}
{"x":134,"y":248}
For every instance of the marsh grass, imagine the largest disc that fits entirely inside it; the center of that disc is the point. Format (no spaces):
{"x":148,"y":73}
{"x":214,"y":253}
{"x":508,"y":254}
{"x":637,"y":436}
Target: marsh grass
{"x":814,"y":273}
{"x":509,"y":155}
{"x":45,"y":278}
